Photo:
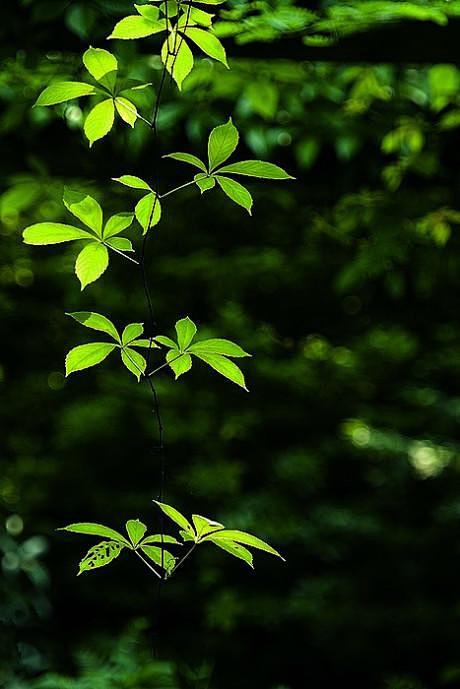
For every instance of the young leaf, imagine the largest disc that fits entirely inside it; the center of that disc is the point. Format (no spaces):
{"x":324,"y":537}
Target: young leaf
{"x":63,"y":91}
{"x":256,"y":168}
{"x":225,"y":367}
{"x":120,"y":243}
{"x":222,"y":142}
{"x":234,"y":549}
{"x":91,"y":262}
{"x":160,"y":557}
{"x":179,"y":63}
{"x":204,"y":526}
{"x":246,"y":539}
{"x":134,"y":362}
{"x":91,"y":529}
{"x":180,"y":363}
{"x":96,"y":322}
{"x":208,"y":43}
{"x":176,"y":517}
{"x":126,"y":110}
{"x":236,"y":192}
{"x":85,"y":208}
{"x":187,"y":158}
{"x":217,"y":345}
{"x":99,"y":121}
{"x":53,"y":233}
{"x":102,"y":66}
{"x":136,"y":530}
{"x":144,"y":343}
{"x":100,"y":555}
{"x":186,"y":331}
{"x":117,"y":223}
{"x":132,"y":332}
{"x":148,"y":211}
{"x":165,"y":341}
{"x":132,"y":182}
{"x":160,"y":538}
{"x":204,"y":182}
{"x":87,"y":355}
{"x":136,"y":26}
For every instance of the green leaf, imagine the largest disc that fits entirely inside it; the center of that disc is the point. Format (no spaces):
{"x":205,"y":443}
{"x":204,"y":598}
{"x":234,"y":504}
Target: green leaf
{"x":186,"y":331}
{"x":126,"y":110}
{"x":132,"y":182}
{"x":117,"y":223}
{"x":160,"y":556}
{"x":204,"y":182}
{"x":102,"y":66}
{"x":176,"y":517}
{"x":180,"y":64}
{"x":136,"y":530}
{"x":217,"y":345}
{"x":165,"y":341}
{"x":99,"y":121}
{"x":201,"y":17}
{"x":87,"y":355}
{"x":180,"y":363}
{"x":85,"y":208}
{"x":187,"y":158}
{"x":208,"y":43}
{"x":234,"y":549}
{"x":91,"y":262}
{"x":186,"y":537}
{"x":236,"y":192}
{"x":246,"y":539}
{"x":136,"y":26}
{"x":100,"y":555}
{"x":96,"y":322}
{"x":145,"y":343}
{"x":120,"y":243}
{"x":134,"y":362}
{"x":63,"y":91}
{"x":150,"y":13}
{"x":132,"y":332}
{"x":204,"y":526}
{"x":160,"y":538}
{"x":148,"y":211}
{"x":225,"y":367}
{"x":91,"y":529}
{"x":256,"y":168}
{"x":222,"y":142}
{"x":53,"y":233}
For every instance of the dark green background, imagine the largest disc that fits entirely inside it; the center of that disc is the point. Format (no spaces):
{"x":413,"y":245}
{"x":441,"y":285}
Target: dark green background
{"x":345,"y":455}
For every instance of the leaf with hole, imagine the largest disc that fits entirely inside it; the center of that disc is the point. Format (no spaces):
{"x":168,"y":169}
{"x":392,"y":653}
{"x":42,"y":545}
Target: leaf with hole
{"x":100,"y":555}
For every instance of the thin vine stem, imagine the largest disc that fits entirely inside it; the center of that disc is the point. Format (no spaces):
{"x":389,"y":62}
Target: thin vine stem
{"x":152,"y":569}
{"x":129,"y":258}
{"x":173,"y":191}
{"x":167,"y":363}
{"x":182,"y":560}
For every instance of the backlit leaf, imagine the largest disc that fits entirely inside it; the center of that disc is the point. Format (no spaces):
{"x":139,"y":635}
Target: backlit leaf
{"x":87,"y":355}
{"x":222,"y":142}
{"x":134,"y":362}
{"x":245,"y":539}
{"x":236,"y":192}
{"x":187,"y":158}
{"x":95,"y":321}
{"x":91,"y":529}
{"x":176,"y":517}
{"x":91,"y":262}
{"x":180,"y":363}
{"x":131,"y":332}
{"x":180,"y":64}
{"x":99,"y":121}
{"x":126,"y":110}
{"x":136,"y":26}
{"x":102,"y":66}
{"x":161,"y":557}
{"x":225,"y":367}
{"x":133,"y":182}
{"x":217,"y":345}
{"x":117,"y":223}
{"x":53,"y":233}
{"x":256,"y":168}
{"x":186,"y":331}
{"x":63,"y":91}
{"x":136,"y":530}
{"x":100,"y":555}
{"x":85,"y":208}
{"x":148,"y":211}
{"x":234,"y":549}
{"x":208,"y":43}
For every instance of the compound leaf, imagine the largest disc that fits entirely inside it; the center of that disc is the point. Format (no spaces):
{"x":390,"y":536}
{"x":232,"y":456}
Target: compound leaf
{"x":234,"y":549}
{"x":204,"y":526}
{"x":134,"y":362}
{"x":136,"y":26}
{"x":176,"y":517}
{"x":160,"y":557}
{"x":186,"y":331}
{"x":208,"y":43}
{"x":133,"y":182}
{"x":256,"y":168}
{"x":117,"y":223}
{"x":132,"y":332}
{"x":245,"y":539}
{"x":217,"y":345}
{"x":180,"y":363}
{"x":102,"y":66}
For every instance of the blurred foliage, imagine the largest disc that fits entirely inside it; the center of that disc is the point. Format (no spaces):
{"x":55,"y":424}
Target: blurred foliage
{"x":344,"y":286}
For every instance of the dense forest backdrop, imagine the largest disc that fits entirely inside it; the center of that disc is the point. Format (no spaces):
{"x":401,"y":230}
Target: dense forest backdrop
{"x":346,"y":453}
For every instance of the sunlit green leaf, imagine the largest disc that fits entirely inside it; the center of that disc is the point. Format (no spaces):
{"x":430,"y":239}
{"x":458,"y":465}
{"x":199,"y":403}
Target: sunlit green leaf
{"x":180,"y":363}
{"x":53,"y":233}
{"x":91,"y":529}
{"x":234,"y":549}
{"x":87,"y":355}
{"x":160,"y":538}
{"x":148,"y":211}
{"x":136,"y":530}
{"x":176,"y":517}
{"x":96,"y":322}
{"x":179,"y":63}
{"x":133,"y":182}
{"x":186,"y":331}
{"x":100,"y":555}
{"x":204,"y":182}
{"x":245,"y":539}
{"x":208,"y":43}
{"x":126,"y":110}
{"x":102,"y":66}
{"x":187,"y":158}
{"x":136,"y":26}
{"x":204,"y":526}
{"x":236,"y":192}
{"x":217,"y":345}
{"x":161,"y":557}
{"x":117,"y":223}
{"x":225,"y":367}
{"x":91,"y":262}
{"x":63,"y":91}
{"x":222,"y":142}
{"x":120,"y":243}
{"x":134,"y":362}
{"x":99,"y":121}
{"x":85,"y":208}
{"x":256,"y":168}
{"x":132,"y":332}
